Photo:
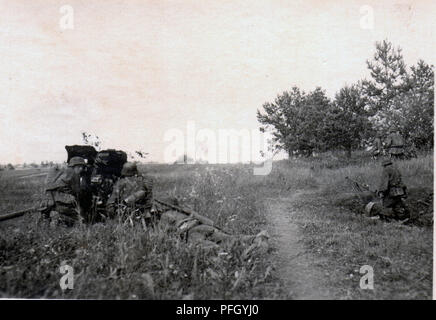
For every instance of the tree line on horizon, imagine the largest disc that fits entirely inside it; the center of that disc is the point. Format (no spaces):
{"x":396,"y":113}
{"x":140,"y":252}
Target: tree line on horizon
{"x":395,"y":97}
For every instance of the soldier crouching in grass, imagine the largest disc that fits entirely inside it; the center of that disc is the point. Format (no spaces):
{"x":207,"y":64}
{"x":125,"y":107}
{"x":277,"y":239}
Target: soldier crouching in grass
{"x":132,"y":196}
{"x":201,"y":230}
{"x":68,"y":193}
{"x":393,"y":192}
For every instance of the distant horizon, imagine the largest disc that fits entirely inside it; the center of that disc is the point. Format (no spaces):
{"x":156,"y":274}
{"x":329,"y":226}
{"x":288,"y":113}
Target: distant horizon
{"x":198,"y":162}
{"x":133,"y":72}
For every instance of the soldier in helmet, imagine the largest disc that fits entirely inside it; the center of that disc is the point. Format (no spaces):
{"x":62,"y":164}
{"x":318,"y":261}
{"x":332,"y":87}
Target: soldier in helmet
{"x":132,"y":193}
{"x":395,"y":143}
{"x":199,"y":229}
{"x":393,"y":192}
{"x":377,"y":150}
{"x":68,"y":192}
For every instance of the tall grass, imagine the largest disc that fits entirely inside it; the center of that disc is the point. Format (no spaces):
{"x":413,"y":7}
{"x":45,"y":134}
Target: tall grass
{"x":401,"y":255}
{"x":120,"y":261}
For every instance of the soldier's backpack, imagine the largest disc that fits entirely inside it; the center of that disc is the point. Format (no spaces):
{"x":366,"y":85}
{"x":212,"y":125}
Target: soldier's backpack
{"x":397,"y":191}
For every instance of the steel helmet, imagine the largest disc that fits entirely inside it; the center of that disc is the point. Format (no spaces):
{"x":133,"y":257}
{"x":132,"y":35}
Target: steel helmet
{"x":77,"y":161}
{"x":129,"y":169}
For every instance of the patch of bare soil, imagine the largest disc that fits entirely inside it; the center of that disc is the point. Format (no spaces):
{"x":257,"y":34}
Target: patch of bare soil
{"x":298,"y":268}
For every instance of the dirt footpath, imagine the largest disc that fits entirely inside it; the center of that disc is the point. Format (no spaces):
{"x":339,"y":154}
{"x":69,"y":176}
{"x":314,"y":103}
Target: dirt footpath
{"x":296,"y":266}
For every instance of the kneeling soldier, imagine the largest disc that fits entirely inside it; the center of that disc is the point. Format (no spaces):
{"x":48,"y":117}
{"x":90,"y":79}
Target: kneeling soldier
{"x":68,"y":192}
{"x":393,"y":191}
{"x":132,"y":192}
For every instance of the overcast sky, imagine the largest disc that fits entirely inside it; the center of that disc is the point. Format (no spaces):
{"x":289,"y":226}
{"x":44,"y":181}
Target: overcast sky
{"x":129,"y":71}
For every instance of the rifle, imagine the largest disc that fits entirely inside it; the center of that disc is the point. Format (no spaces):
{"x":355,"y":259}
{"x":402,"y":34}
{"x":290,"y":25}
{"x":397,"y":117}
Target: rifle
{"x":184,"y":225}
{"x":191,"y":214}
{"x":360,"y":187}
{"x":20,"y":213}
{"x":368,"y":201}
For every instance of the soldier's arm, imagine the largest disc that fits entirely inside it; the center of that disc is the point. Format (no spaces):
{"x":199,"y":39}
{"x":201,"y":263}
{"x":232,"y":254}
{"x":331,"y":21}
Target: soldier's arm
{"x":61,"y":185}
{"x":115,"y":195}
{"x":48,"y":202}
{"x":147,"y":185}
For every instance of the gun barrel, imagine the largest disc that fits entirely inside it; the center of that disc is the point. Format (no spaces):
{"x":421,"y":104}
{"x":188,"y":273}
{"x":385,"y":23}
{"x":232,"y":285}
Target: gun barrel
{"x":15,"y":214}
{"x":33,"y":175}
{"x":191,"y":213}
{"x":359,"y":186}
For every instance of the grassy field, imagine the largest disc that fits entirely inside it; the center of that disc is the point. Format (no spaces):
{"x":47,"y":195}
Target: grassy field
{"x":116,"y":261}
{"x":335,"y":229}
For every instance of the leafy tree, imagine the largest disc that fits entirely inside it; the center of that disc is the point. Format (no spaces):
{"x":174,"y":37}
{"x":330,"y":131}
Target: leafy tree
{"x":282,"y":118}
{"x":295,"y":119}
{"x":347,"y":123}
{"x":413,"y":110}
{"x":401,"y":99}
{"x":388,"y":72}
{"x":306,"y":122}
{"x":310,"y":134}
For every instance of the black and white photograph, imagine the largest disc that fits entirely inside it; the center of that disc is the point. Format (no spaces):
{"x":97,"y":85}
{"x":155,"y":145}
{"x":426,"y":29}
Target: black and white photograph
{"x":216,"y":154}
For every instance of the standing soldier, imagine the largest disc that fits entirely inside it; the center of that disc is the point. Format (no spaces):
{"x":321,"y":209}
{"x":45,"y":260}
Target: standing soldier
{"x":377,"y":146}
{"x":395,"y":143}
{"x":393,"y":191}
{"x":132,"y":191}
{"x":68,"y":192}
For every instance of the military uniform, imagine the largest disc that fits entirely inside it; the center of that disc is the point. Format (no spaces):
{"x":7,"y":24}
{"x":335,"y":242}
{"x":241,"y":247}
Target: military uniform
{"x":67,"y":193}
{"x":132,"y":191}
{"x":395,"y":143}
{"x":199,"y":229}
{"x":377,"y":147}
{"x":393,"y":191}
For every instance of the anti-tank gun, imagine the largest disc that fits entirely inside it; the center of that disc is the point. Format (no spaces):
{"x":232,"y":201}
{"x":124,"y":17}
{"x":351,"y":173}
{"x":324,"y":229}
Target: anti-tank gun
{"x":102,"y":170}
{"x":106,"y":171}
